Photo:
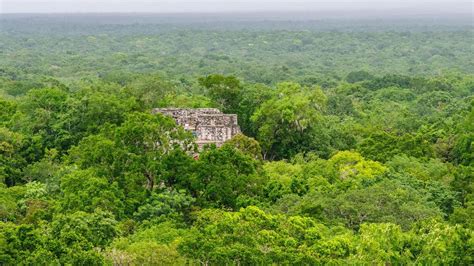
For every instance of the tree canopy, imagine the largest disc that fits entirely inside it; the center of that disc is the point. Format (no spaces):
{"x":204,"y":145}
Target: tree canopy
{"x":356,"y":147}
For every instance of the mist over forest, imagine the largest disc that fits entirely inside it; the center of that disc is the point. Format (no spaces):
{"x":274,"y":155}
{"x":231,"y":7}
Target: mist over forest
{"x":356,"y":144}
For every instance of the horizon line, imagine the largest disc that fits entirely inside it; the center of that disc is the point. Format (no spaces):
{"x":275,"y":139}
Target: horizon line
{"x":241,"y":12}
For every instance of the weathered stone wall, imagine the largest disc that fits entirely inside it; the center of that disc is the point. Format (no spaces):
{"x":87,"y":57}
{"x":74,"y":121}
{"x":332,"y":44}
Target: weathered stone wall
{"x":209,"y":125}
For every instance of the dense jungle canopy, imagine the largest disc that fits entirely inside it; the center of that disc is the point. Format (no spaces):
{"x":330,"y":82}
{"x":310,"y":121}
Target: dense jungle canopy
{"x":357,"y":144}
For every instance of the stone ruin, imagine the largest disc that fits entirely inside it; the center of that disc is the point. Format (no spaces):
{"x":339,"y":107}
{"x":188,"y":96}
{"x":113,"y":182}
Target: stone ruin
{"x":208,"y":125}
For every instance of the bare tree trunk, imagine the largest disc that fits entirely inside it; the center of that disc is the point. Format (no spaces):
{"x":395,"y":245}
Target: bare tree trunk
{"x":150,"y":180}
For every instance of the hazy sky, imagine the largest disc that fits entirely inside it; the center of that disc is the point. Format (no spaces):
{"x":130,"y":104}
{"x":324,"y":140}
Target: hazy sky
{"x":53,"y":6}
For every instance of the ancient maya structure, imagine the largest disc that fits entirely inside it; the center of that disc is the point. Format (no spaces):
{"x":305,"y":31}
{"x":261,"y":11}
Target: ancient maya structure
{"x":208,"y":125}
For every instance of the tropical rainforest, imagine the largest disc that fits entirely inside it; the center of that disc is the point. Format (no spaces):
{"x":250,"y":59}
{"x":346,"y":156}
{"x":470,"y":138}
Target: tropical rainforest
{"x":357,"y":144}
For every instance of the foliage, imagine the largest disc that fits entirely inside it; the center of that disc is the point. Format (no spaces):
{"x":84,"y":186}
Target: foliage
{"x":225,"y":175}
{"x":285,"y":123}
{"x":167,"y":203}
{"x":356,"y":145}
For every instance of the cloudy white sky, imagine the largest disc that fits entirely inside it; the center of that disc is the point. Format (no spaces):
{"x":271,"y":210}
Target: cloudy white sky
{"x":167,"y":6}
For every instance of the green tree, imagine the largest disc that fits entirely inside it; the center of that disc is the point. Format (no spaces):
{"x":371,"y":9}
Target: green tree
{"x":225,"y":91}
{"x":82,"y":190}
{"x":356,"y":76}
{"x":19,"y":242}
{"x":285,"y":123}
{"x":147,"y":138}
{"x":225,"y":175}
{"x":252,"y":97}
{"x":252,"y":236}
{"x":40,"y":113}
{"x":151,"y":245}
{"x":73,"y":236}
{"x":11,"y":161}
{"x":90,"y":108}
{"x":246,"y":145}
{"x":387,"y":201}
{"x":438,"y":242}
{"x":383,"y":243}
{"x":167,"y":204}
{"x":464,"y":146}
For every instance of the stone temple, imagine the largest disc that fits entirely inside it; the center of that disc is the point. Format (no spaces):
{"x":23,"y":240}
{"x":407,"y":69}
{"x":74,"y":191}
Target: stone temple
{"x":208,"y":125}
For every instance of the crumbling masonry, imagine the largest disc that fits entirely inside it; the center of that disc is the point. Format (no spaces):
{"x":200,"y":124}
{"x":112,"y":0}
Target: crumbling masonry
{"x":208,"y":125}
